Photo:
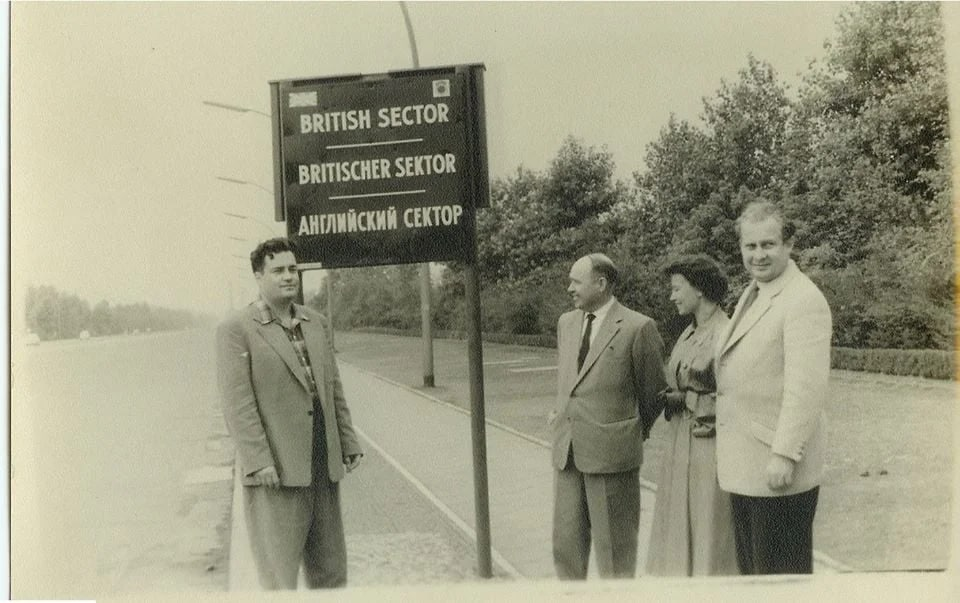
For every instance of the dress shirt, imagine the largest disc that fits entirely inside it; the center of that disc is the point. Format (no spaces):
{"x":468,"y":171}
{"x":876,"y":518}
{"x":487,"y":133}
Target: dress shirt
{"x":295,"y":335}
{"x":600,"y":313}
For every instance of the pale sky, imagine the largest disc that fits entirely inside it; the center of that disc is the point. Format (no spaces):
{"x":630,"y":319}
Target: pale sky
{"x":114,"y":155}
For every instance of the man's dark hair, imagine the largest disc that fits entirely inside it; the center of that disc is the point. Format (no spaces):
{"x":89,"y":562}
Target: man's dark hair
{"x":604,"y":266}
{"x":757,"y":211}
{"x":270,"y":248}
{"x":703,"y":273}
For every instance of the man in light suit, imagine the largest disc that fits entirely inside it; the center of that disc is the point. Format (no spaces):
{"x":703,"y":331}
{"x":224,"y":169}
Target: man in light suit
{"x":773,"y":365}
{"x":284,"y":407}
{"x":610,"y":371}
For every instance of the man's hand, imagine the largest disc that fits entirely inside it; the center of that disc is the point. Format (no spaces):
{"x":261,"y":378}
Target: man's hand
{"x":780,"y":472}
{"x":267,"y":477}
{"x":352,"y":461}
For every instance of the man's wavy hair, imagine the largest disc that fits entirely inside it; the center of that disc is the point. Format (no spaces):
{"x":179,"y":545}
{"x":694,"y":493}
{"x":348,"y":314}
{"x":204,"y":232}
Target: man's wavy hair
{"x":758,"y":211}
{"x":270,"y":248}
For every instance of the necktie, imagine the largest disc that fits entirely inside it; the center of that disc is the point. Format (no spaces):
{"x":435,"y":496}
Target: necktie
{"x":585,"y":343}
{"x":747,"y":303}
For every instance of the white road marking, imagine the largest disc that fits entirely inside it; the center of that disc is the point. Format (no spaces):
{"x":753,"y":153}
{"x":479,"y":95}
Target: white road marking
{"x":516,"y":361}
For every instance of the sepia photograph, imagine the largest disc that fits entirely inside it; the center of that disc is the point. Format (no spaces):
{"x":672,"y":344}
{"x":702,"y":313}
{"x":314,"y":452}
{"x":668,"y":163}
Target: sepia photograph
{"x":482,"y":300}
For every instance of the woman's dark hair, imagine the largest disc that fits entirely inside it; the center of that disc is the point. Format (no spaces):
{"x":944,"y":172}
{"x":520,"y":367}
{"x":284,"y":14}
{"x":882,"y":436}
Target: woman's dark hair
{"x":703,"y":273}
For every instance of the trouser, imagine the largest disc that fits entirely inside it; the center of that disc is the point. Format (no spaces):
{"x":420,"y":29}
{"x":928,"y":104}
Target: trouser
{"x":774,"y":534}
{"x":290,"y":526}
{"x":606,"y":505}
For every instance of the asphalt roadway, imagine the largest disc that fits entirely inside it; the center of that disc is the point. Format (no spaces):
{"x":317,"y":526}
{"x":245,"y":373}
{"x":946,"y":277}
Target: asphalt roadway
{"x":122,"y":476}
{"x":122,"y":479}
{"x":121,"y":467}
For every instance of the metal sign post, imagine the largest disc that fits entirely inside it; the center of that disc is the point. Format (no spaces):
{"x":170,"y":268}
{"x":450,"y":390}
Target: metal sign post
{"x":390,"y":169}
{"x":478,"y":420}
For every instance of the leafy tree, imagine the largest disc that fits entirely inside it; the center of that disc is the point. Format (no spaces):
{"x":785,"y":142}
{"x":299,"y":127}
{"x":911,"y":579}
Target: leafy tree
{"x":43,"y":312}
{"x":860,"y":160}
{"x":873,"y":121}
{"x":387,"y":296}
{"x":52,"y":314}
{"x":102,"y":320}
{"x":873,"y":188}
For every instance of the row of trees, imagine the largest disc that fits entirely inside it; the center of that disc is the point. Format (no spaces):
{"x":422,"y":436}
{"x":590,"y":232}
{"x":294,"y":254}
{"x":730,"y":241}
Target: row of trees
{"x":859,"y":158}
{"x":52,"y":314}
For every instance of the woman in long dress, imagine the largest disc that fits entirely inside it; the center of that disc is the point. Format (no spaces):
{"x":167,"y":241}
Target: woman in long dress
{"x":692,"y":532}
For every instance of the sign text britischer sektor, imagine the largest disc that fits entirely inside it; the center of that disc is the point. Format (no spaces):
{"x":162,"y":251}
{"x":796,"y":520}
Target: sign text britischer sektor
{"x":376,"y":171}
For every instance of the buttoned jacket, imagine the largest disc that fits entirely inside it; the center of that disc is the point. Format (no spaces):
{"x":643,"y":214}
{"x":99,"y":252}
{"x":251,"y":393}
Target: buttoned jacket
{"x":267,"y":401}
{"x":606,"y":409}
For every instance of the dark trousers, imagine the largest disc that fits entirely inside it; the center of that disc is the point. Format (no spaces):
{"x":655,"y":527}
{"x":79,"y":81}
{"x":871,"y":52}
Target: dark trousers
{"x":774,"y":534}
{"x":290,"y":527}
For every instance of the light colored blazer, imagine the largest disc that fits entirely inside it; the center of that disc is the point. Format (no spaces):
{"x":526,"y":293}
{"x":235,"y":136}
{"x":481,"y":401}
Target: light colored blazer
{"x":772,"y":387}
{"x":605,"y":410}
{"x":266,"y":400}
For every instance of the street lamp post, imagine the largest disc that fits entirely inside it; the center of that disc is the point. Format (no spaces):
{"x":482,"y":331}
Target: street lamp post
{"x":477,"y":414}
{"x":235,"y":108}
{"x":246,"y":183}
{"x":426,"y":314}
{"x":272,"y":232}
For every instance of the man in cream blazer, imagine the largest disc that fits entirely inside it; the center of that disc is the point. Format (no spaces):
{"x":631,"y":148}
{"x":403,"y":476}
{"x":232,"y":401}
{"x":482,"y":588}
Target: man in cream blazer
{"x":610,"y":370}
{"x":773,"y":367}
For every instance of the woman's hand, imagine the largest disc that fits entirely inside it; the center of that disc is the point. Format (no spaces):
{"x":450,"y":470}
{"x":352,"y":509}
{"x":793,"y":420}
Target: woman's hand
{"x":673,"y":403}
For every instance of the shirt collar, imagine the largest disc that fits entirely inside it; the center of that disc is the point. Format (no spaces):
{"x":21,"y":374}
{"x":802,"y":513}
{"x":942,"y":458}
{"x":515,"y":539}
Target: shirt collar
{"x":601,"y":312}
{"x":265,"y":314}
{"x":770,"y":288}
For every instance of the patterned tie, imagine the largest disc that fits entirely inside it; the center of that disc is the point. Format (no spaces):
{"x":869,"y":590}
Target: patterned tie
{"x":585,"y":343}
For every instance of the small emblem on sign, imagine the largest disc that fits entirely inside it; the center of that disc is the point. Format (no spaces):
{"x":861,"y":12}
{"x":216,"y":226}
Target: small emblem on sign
{"x":303,"y":99}
{"x":441,"y":88}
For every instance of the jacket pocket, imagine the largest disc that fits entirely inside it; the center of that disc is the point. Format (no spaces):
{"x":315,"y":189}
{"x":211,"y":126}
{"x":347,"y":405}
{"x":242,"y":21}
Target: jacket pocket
{"x":762,"y":433}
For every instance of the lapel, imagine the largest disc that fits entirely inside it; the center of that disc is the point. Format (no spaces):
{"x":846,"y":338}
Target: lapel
{"x":608,"y":328}
{"x":739,"y":327}
{"x":274,"y":335}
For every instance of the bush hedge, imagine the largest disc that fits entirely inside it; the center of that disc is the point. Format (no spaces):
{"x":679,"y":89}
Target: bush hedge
{"x":537,"y":341}
{"x":932,"y":364}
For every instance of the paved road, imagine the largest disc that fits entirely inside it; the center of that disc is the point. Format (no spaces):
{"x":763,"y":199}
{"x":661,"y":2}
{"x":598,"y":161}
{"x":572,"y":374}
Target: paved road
{"x":111,"y":442}
{"x":395,"y":536}
{"x":886,"y":501}
{"x":121,"y":456}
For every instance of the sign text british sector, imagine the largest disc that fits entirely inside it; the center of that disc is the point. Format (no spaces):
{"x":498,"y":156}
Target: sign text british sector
{"x":377,"y":170}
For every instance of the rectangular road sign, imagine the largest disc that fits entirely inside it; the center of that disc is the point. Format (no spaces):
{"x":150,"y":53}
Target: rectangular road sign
{"x":381,"y":169}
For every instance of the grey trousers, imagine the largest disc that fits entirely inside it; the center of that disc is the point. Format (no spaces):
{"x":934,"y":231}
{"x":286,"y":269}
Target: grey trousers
{"x":293,"y":526}
{"x":605,"y":506}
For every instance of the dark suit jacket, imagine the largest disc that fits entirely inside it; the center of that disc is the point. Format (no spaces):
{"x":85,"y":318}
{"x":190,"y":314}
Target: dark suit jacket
{"x":606,"y":410}
{"x":266,"y":401}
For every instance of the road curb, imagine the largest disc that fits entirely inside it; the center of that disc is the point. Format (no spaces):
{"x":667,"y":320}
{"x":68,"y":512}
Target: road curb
{"x":644,"y":483}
